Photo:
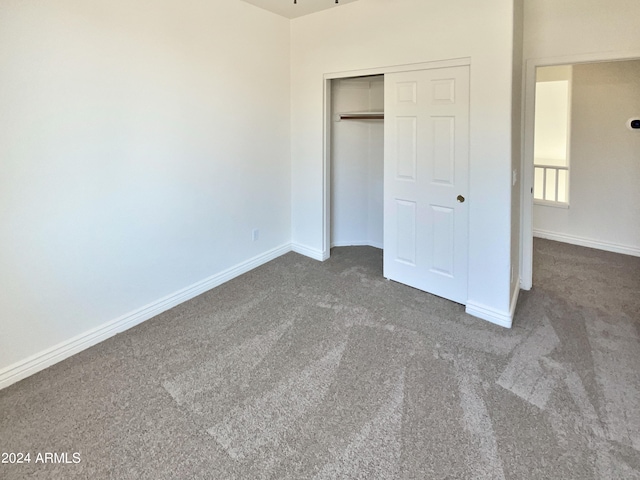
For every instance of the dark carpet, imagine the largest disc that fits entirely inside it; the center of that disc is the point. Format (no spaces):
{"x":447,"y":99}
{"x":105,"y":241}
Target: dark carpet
{"x":308,"y":370}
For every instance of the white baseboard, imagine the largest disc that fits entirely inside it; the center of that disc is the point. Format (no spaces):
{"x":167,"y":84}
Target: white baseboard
{"x":357,"y":244}
{"x":587,"y":242}
{"x":525,"y":285}
{"x":310,"y":252}
{"x":490,"y":314}
{"x":46,"y":358}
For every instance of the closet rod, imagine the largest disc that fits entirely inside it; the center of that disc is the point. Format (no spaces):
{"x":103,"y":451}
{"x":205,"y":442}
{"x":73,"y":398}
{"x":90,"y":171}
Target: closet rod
{"x":361,"y":116}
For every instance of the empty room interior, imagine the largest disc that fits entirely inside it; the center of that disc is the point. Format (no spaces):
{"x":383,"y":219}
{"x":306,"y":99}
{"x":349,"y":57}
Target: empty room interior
{"x":382,"y":239}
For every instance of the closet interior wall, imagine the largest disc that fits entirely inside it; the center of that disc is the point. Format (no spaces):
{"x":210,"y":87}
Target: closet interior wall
{"x":357,"y":163}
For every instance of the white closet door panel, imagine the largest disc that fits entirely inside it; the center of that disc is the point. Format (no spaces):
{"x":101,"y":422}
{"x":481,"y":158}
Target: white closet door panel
{"x":426,"y":180}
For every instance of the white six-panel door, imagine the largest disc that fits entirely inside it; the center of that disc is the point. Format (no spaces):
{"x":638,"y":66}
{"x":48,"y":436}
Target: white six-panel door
{"x":426,"y":180}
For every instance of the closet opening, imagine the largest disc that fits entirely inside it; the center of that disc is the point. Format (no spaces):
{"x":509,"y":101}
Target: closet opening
{"x":356,"y":148}
{"x":396,"y":173}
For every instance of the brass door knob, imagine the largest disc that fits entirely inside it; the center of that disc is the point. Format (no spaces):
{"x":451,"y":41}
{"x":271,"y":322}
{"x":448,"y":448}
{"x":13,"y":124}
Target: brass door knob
{"x":460,"y":199}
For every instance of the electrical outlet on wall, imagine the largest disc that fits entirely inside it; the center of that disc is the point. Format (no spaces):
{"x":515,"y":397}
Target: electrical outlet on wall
{"x":255,"y":234}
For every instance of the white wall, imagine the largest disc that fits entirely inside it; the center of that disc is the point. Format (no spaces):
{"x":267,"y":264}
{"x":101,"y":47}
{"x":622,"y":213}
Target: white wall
{"x":376,"y":33}
{"x":140,"y":143}
{"x":605,"y":162}
{"x":357,"y":163}
{"x":580,"y":27}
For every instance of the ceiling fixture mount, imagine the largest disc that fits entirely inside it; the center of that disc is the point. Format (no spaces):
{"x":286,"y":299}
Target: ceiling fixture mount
{"x":295,"y":2}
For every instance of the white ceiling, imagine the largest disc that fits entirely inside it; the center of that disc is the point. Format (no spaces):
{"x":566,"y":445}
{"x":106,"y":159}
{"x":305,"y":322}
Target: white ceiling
{"x":286,"y":8}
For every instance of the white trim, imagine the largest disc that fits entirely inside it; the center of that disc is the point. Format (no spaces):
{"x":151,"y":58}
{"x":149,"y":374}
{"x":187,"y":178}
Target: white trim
{"x":514,"y":301}
{"x":497,"y":317}
{"x":319,"y":255}
{"x":46,"y":358}
{"x":358,"y":244}
{"x":549,"y":203}
{"x":526,"y":217}
{"x":454,"y":62}
{"x":587,"y":242}
{"x":326,"y":170}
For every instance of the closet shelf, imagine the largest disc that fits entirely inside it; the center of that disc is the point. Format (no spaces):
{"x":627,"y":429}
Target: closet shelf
{"x":360,"y":116}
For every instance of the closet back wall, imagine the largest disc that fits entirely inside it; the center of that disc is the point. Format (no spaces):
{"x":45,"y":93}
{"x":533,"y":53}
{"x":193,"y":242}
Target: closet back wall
{"x":357,"y":161}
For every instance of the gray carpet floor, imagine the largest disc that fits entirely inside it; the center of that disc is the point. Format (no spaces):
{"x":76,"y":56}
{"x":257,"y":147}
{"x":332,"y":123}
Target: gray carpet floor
{"x":308,"y":370}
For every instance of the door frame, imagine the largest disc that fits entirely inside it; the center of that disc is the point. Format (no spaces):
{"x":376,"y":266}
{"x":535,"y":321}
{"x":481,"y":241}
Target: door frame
{"x":527,"y":169}
{"x":327,"y":120}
